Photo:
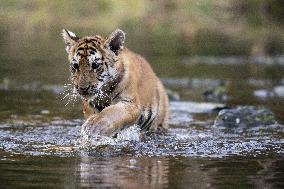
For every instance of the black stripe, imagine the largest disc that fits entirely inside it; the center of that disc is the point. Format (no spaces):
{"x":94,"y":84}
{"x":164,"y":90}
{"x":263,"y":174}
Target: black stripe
{"x":99,"y":79}
{"x":145,"y":126}
{"x":140,"y":120}
{"x":80,"y":54}
{"x":106,"y":65}
{"x":80,"y":49}
{"x":98,"y":107}
{"x":93,"y":49}
{"x":116,"y":95}
{"x":106,"y":69}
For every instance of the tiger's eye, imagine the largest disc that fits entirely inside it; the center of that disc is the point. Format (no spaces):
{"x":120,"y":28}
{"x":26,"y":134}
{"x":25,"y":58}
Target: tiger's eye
{"x":95,"y":65}
{"x":76,"y":66}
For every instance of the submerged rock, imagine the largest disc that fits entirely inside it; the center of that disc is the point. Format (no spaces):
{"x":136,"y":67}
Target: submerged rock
{"x":279,"y":90}
{"x":195,"y":107}
{"x":244,"y":116}
{"x":263,"y":94}
{"x":193,"y":83}
{"x":173,"y":95}
{"x":171,"y":82}
{"x":219,"y":94}
{"x":45,"y":112}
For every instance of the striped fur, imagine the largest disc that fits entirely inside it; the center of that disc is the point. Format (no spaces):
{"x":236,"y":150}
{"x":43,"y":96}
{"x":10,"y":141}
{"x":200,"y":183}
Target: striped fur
{"x":118,"y":87}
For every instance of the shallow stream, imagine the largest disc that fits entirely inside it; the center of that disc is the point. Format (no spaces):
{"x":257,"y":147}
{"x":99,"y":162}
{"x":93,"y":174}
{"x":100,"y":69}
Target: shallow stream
{"x":39,"y":148}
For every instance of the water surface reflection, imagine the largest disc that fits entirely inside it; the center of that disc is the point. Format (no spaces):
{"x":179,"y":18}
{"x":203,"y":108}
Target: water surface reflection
{"x":140,"y":172}
{"x":124,"y":172}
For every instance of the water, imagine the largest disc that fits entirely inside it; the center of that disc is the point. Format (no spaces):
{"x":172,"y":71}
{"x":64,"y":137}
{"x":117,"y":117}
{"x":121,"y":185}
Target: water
{"x":39,"y":135}
{"x":60,"y":138}
{"x":39,"y":148}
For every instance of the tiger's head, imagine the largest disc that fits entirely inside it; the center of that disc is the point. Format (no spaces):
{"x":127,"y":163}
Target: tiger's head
{"x":95,"y":64}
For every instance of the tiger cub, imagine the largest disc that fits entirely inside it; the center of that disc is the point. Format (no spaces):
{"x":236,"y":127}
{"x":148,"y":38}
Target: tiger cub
{"x":117,"y":86}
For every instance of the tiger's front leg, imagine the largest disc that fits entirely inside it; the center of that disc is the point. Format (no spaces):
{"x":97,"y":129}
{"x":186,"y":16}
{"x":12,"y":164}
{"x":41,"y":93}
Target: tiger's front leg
{"x":110,"y":120}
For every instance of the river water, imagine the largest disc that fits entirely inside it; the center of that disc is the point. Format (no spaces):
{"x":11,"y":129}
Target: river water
{"x":39,"y":147}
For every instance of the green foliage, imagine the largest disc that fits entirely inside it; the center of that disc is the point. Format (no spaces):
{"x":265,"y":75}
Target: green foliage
{"x":30,"y":29}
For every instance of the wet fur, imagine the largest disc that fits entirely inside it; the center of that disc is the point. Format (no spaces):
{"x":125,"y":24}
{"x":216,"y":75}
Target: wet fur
{"x":121,"y":92}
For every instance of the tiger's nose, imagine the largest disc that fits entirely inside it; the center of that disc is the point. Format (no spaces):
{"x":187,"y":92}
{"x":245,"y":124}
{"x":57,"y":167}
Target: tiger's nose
{"x":83,"y":90}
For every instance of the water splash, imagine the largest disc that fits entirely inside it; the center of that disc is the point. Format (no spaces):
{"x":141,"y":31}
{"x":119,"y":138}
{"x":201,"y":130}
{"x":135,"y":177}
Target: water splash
{"x":187,"y":137}
{"x":131,"y":133}
{"x":60,"y":138}
{"x":70,"y":94}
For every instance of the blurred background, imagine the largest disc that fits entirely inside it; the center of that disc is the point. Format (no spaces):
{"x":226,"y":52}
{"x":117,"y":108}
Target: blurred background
{"x":223,"y":51}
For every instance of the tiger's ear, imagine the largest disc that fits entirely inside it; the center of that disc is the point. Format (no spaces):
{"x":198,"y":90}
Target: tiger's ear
{"x":115,"y":41}
{"x":69,"y":38}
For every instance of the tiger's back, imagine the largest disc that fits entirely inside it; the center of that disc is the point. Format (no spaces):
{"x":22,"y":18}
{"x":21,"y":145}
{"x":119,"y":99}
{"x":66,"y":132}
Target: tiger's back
{"x":150,"y":92}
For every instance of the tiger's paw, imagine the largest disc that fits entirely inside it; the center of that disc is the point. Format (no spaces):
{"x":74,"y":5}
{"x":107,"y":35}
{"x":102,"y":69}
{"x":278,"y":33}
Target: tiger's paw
{"x":95,"y":126}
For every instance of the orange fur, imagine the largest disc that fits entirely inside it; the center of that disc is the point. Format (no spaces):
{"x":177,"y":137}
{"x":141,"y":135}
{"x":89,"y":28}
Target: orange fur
{"x":118,"y":87}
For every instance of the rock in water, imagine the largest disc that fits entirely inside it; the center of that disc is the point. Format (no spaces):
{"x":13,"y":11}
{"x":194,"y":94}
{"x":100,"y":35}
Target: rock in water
{"x":279,"y":91}
{"x":244,"y":116}
{"x":173,"y":95}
